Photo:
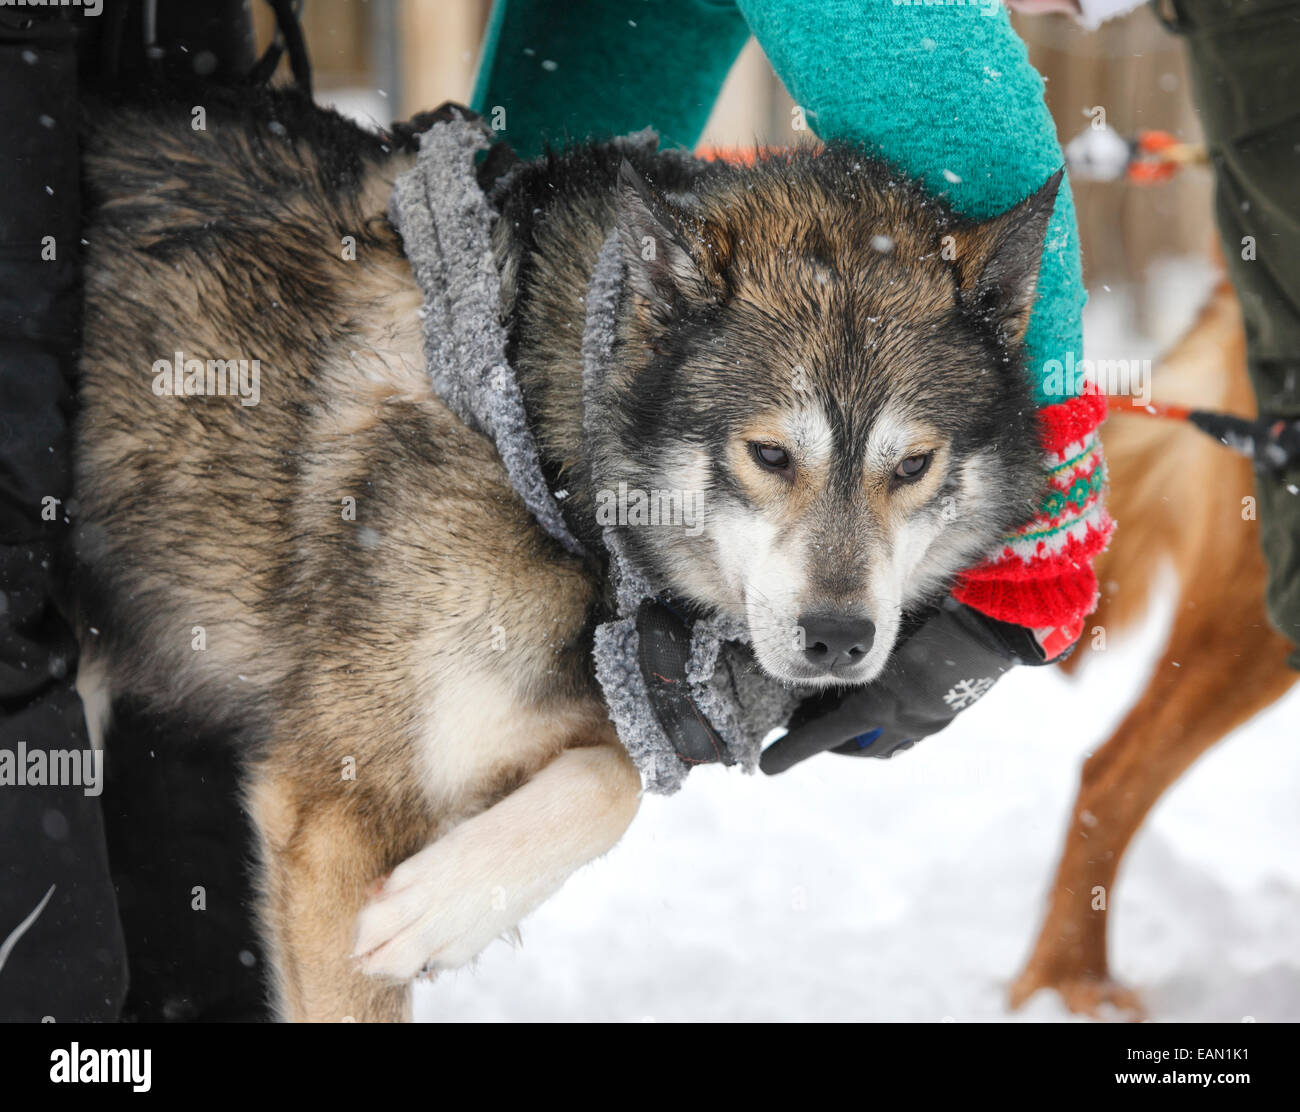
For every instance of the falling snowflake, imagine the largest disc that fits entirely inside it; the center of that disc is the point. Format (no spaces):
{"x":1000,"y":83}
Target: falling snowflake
{"x":965,"y":692}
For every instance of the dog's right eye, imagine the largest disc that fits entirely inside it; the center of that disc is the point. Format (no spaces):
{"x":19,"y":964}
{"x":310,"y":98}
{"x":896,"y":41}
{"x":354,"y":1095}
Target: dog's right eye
{"x":771,"y":457}
{"x":913,"y":467}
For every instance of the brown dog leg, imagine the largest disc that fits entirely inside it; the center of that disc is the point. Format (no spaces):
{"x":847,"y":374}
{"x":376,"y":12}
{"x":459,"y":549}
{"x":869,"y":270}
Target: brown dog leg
{"x":317,"y":863}
{"x":1222,"y":665}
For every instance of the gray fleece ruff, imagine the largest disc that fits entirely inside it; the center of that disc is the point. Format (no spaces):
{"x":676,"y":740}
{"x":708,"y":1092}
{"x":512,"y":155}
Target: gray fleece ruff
{"x":445,"y":223}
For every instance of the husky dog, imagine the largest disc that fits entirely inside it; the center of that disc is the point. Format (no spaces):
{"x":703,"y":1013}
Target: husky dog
{"x":342,"y":573}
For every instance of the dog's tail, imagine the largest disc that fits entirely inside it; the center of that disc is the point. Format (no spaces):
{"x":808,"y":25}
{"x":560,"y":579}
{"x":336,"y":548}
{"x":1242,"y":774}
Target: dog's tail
{"x":1174,"y":492}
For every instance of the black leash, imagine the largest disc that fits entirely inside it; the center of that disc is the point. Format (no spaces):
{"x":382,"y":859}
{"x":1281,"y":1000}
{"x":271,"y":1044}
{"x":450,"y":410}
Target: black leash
{"x":1272,"y":444}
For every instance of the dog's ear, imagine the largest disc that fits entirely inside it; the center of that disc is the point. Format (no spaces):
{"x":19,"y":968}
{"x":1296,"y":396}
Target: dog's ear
{"x":669,"y":262}
{"x":997,"y":261}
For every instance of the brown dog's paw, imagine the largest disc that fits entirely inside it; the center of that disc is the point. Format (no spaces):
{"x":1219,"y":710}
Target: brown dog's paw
{"x":1081,"y":993}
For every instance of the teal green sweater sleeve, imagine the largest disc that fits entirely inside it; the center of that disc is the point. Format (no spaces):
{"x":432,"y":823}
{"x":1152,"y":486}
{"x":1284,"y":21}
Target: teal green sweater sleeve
{"x":570,"y":69}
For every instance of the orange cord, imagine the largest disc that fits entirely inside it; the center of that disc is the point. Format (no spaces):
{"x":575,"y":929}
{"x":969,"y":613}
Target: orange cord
{"x":1160,"y":156}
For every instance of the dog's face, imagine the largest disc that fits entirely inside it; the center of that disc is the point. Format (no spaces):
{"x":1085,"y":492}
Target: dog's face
{"x":821,"y":366}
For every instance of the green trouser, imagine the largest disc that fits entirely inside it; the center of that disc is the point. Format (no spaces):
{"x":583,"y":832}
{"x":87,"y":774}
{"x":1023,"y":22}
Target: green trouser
{"x":944,"y":92}
{"x":1245,"y":62}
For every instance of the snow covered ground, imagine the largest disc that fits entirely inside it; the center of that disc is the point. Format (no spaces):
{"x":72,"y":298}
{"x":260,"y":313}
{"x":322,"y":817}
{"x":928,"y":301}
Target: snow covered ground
{"x":912,"y":889}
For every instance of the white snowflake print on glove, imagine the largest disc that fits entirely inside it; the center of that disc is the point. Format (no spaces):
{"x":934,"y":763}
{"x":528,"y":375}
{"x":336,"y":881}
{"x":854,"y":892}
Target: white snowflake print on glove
{"x":965,"y":692}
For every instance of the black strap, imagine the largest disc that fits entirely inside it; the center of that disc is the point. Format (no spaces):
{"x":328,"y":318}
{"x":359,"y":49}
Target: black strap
{"x":288,"y":37}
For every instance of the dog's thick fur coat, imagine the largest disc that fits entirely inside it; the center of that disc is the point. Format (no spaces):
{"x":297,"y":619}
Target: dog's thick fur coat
{"x":342,"y":571}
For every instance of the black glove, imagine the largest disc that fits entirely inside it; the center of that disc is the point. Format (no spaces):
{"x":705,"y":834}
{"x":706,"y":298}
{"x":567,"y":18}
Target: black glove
{"x":948,"y":660}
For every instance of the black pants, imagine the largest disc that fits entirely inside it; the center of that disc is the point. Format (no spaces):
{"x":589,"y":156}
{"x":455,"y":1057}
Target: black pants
{"x":147,"y":915}
{"x":1245,"y":63}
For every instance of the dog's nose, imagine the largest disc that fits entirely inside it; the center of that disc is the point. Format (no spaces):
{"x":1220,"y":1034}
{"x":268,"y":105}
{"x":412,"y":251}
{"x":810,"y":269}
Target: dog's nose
{"x":831,"y":641}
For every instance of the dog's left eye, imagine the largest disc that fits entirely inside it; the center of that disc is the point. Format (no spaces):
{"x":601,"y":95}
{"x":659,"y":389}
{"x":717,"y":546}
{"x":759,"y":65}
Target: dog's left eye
{"x":771,"y":457}
{"x":913,"y":467}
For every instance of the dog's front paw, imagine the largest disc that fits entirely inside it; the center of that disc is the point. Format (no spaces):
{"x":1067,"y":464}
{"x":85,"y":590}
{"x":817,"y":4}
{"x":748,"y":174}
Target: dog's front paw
{"x":428,"y":915}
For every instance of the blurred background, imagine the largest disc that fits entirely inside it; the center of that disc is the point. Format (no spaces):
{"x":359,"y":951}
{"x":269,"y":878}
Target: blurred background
{"x":909,"y":889}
